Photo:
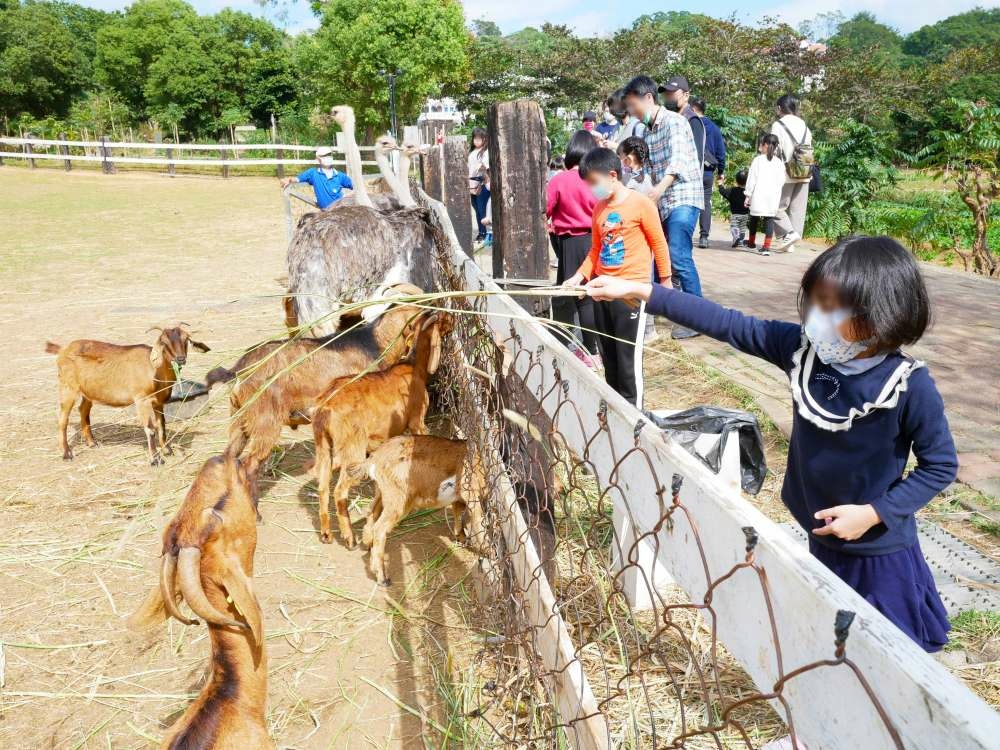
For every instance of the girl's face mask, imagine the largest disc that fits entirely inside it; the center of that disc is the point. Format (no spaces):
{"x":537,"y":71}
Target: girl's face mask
{"x":588,"y":126}
{"x":823,"y":331}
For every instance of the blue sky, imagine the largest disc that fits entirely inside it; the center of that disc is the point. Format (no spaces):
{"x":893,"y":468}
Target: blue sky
{"x":594,"y":17}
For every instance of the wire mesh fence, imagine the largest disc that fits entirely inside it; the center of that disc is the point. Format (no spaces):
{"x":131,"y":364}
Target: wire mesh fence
{"x":589,"y":641}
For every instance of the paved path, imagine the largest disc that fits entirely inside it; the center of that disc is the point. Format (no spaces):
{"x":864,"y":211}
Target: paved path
{"x":962,"y":348}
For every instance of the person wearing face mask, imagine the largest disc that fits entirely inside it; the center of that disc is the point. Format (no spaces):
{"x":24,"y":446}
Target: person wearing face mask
{"x":569,"y":208}
{"x":590,"y":121}
{"x":328,"y":184}
{"x":627,"y":239}
{"x":860,"y":407}
{"x":609,"y":125}
{"x":676,"y":172}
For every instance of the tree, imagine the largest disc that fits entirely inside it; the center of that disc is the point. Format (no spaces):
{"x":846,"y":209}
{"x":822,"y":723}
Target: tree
{"x":976,"y":28}
{"x":863,"y":33}
{"x":42,"y":65}
{"x":482,"y":27}
{"x":965,"y":145}
{"x":358,"y":39}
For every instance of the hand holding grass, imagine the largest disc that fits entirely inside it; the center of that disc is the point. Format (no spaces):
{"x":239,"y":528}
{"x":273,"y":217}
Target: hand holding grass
{"x":611,"y":287}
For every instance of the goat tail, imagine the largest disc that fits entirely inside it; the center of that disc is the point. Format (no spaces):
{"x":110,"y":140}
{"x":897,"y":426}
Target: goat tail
{"x":52,"y":347}
{"x":219,"y":375}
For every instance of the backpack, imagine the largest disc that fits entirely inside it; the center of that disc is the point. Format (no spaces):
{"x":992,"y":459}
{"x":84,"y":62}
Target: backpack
{"x":803,"y":159}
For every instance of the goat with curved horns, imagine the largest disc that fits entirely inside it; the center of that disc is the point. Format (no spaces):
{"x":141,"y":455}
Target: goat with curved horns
{"x":208,"y":551}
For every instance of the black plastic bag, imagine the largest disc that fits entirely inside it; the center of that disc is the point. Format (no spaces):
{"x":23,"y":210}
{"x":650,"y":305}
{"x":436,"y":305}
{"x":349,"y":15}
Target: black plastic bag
{"x":685,"y":427}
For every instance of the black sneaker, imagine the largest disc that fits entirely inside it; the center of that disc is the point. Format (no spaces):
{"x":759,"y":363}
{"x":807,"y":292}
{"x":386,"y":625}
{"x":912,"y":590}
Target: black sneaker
{"x":751,"y":245}
{"x":736,"y":242}
{"x":703,"y":242}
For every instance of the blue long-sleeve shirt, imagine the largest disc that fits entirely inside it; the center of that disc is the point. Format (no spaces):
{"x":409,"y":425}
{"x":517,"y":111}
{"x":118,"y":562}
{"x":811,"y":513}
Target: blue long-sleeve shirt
{"x":851,"y":434}
{"x":715,"y":144}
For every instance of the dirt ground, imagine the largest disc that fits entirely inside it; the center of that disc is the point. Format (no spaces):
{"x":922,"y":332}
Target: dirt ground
{"x":350,"y":665}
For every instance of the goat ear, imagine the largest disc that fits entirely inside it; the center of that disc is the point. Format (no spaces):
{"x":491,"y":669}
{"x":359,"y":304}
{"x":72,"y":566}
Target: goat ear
{"x":435,"y":358}
{"x":151,"y":612}
{"x":199,"y":346}
{"x":240,"y":590}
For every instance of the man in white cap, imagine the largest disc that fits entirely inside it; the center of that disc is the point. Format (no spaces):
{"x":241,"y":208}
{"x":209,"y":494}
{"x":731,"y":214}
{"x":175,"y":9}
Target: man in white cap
{"x":328,"y":184}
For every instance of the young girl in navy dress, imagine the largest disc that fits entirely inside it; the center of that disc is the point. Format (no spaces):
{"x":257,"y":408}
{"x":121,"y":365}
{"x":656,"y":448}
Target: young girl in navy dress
{"x":861,"y":405}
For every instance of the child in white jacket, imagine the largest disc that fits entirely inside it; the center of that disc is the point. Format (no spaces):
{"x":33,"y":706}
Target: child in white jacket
{"x":763,"y":191}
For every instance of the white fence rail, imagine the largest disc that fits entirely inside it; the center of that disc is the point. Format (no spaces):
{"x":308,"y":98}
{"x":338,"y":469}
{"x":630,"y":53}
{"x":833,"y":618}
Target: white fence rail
{"x":108,"y":153}
{"x":929,"y":708}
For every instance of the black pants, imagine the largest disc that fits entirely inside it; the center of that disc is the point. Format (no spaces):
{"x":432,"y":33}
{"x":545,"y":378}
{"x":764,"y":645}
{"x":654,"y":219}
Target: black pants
{"x":757,"y":222}
{"x":622,"y":361}
{"x":708,"y":182}
{"x":570,"y":252}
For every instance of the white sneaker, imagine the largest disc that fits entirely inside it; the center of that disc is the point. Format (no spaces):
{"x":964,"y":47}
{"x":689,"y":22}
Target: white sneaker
{"x":789,"y":239}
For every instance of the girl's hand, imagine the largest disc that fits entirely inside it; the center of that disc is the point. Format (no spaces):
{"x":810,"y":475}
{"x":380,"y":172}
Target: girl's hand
{"x":611,"y":287}
{"x":746,"y":202}
{"x":847,"y":522}
{"x":574,"y":280}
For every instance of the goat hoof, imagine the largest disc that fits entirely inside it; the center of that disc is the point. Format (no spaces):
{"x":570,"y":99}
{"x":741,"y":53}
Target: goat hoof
{"x":385,"y":583}
{"x":326,"y":537}
{"x":157,"y":461}
{"x":93,"y":444}
{"x":67,"y":455}
{"x":168,"y":450}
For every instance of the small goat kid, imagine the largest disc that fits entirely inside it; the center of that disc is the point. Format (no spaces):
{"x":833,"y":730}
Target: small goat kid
{"x":120,"y":376}
{"x":356,"y":414}
{"x":279,"y":379}
{"x":208,"y":551}
{"x":416,"y":472}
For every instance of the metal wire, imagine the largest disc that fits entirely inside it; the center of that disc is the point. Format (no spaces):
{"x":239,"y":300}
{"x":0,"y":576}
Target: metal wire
{"x":660,"y":678}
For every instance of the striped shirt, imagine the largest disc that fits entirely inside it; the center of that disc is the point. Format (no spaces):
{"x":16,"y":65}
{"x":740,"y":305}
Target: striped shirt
{"x":672,"y":151}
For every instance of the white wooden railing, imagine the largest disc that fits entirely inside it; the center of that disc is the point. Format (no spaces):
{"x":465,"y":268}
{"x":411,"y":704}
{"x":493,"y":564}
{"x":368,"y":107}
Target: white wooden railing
{"x":109,"y":153}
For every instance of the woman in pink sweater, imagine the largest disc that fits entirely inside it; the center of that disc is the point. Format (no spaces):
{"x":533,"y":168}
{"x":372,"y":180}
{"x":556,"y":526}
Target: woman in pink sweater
{"x":570,"y":208}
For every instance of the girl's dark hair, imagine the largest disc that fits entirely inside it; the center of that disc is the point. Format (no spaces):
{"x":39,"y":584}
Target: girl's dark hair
{"x":557,"y":162}
{"x":880,"y":282}
{"x":481,"y":132}
{"x":616,"y":104}
{"x":581,"y":142}
{"x":600,"y":160}
{"x":770,"y":143}
{"x":788,"y":104}
{"x":635,"y":146}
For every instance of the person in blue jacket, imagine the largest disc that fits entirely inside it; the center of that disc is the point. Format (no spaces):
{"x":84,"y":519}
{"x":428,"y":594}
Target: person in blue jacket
{"x":328,"y":184}
{"x":860,"y":407}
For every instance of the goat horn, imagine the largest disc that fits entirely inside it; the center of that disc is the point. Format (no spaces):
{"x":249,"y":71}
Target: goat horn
{"x":167,"y":569}
{"x":189,"y":572}
{"x":154,"y":328}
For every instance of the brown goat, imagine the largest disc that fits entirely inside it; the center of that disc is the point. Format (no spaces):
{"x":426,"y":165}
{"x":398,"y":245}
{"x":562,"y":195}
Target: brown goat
{"x":279,"y":380}
{"x":120,"y":376}
{"x":415,"y":472}
{"x":208,"y":551}
{"x":356,"y":414}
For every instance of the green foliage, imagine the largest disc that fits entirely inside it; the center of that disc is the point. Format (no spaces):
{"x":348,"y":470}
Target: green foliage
{"x":857,"y":168}
{"x":863,"y":33}
{"x":358,"y":39}
{"x":975,"y":28}
{"x":43,"y":64}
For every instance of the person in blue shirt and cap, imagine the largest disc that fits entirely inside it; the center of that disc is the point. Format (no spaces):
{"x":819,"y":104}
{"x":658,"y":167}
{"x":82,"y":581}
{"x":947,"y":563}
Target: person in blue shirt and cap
{"x":328,"y":184}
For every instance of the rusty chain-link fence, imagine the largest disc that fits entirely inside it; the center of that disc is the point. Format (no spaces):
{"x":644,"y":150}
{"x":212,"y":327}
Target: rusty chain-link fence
{"x":589,"y":640}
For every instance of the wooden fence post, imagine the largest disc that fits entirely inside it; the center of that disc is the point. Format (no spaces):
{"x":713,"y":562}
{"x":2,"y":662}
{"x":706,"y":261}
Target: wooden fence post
{"x":106,"y":166}
{"x":222,"y":156}
{"x":171,"y":167}
{"x":518,"y":170}
{"x":28,"y":150}
{"x":455,"y":188}
{"x":64,"y":150}
{"x":279,"y":170}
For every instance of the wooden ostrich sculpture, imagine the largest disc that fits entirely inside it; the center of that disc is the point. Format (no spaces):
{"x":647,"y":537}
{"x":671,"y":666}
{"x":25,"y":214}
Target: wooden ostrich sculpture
{"x":344,"y":253}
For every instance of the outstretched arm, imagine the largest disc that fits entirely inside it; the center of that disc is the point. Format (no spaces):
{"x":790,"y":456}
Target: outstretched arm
{"x":772,"y":340}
